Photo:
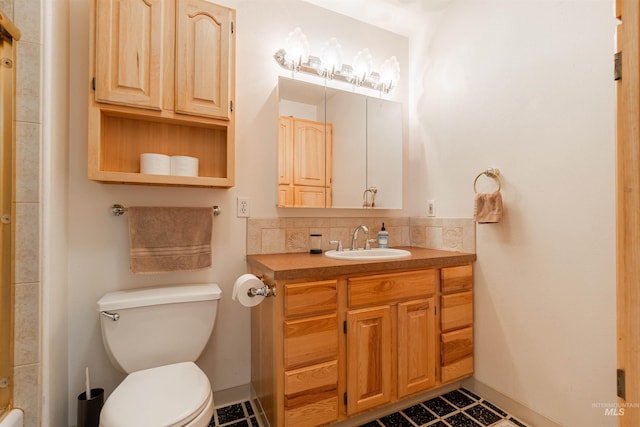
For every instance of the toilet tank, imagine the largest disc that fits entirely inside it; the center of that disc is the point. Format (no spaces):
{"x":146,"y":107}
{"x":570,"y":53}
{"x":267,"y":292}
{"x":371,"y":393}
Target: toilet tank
{"x":157,"y":326}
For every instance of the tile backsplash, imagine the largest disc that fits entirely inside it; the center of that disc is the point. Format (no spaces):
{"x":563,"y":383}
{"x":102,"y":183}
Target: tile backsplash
{"x":288,"y":235}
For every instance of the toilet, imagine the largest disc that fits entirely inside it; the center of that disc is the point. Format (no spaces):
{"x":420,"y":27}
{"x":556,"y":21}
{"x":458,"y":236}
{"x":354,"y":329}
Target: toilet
{"x":155,"y":335}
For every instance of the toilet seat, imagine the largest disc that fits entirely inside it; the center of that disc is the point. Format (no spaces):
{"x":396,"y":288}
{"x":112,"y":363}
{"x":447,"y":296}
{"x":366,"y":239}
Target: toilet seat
{"x":171,"y":396}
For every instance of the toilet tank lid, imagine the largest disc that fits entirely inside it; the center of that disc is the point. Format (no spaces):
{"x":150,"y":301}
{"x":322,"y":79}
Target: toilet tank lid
{"x":159,"y":295}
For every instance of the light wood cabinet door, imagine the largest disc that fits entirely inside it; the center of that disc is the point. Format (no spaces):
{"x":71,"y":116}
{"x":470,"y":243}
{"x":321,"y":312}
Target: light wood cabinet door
{"x":129,"y":52}
{"x":416,"y":346}
{"x":203,"y":59}
{"x":309,"y":153}
{"x":285,"y":150}
{"x":369,"y":349}
{"x":304,"y":163}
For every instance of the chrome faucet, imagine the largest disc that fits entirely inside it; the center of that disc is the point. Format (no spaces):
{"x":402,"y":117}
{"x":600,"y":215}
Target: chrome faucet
{"x":354,"y":240}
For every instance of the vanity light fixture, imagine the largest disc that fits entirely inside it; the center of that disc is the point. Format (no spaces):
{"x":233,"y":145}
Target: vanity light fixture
{"x":296,"y":58}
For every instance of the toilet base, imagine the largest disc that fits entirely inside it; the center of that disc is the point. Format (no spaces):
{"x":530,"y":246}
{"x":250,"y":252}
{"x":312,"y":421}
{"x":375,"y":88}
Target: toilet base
{"x":204,"y":418}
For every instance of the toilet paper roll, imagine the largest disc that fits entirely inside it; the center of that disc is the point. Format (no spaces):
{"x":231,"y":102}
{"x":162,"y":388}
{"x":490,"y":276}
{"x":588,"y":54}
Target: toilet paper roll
{"x":155,"y":164}
{"x":241,"y":289}
{"x":184,"y":166}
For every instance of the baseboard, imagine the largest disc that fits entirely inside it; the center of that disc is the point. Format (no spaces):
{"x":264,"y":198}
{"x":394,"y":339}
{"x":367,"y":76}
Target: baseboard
{"x":232,"y":395}
{"x":515,"y":408}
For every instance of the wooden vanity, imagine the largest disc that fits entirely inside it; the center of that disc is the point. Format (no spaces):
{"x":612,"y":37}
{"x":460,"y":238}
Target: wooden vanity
{"x":342,"y":337}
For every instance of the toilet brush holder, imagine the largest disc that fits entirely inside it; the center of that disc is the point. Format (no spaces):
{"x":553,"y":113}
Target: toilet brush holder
{"x":89,"y":409}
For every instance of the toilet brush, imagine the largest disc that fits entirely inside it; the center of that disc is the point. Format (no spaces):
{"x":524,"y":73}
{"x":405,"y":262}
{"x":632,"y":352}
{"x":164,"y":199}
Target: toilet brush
{"x":87,"y":384}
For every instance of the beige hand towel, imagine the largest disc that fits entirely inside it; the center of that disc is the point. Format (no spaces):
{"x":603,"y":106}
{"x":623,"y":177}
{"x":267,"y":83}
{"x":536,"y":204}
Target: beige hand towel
{"x":164,"y":239}
{"x":487,"y":208}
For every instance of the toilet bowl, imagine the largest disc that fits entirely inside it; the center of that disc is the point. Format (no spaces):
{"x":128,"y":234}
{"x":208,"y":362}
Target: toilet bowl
{"x":155,"y":335}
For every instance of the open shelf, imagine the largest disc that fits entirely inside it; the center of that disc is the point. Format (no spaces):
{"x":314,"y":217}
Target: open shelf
{"x":123,"y":137}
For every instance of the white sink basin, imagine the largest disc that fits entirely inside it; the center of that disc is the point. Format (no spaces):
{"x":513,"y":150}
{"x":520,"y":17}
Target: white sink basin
{"x":368,"y":254}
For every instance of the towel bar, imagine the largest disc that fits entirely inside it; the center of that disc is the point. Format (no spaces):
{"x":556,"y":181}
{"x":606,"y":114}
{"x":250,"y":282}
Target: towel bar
{"x":118,"y":210}
{"x":491,"y":173}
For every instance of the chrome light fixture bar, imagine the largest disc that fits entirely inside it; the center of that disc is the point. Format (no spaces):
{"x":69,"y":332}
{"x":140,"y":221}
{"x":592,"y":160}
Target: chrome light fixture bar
{"x":298,"y":60}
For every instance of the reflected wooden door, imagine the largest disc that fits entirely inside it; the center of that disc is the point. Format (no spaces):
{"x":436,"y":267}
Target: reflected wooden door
{"x":628,"y":209}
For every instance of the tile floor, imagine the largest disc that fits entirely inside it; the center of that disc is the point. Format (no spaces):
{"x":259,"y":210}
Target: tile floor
{"x":457,"y":408}
{"x":239,"y":414}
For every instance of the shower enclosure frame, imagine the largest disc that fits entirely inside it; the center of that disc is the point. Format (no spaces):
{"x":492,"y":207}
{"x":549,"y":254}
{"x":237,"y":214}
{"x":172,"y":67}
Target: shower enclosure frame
{"x":8,"y":34}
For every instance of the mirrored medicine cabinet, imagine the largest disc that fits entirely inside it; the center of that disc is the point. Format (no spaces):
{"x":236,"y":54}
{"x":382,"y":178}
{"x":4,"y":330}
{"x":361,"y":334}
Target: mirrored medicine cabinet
{"x":337,"y":149}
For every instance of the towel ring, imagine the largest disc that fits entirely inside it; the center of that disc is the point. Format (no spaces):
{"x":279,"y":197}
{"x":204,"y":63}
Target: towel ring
{"x":491,"y":173}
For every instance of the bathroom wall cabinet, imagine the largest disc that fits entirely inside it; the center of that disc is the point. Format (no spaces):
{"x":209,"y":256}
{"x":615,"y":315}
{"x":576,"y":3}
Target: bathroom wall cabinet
{"x":304,"y":164}
{"x":338,"y":342}
{"x":161,"y":88}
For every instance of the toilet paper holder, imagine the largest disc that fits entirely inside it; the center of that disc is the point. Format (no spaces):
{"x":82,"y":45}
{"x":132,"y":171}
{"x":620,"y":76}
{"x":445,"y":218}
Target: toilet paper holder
{"x":264,"y":291}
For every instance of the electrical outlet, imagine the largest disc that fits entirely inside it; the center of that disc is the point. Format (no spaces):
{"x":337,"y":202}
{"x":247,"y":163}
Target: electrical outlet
{"x":243,"y":207}
{"x":431,"y":208}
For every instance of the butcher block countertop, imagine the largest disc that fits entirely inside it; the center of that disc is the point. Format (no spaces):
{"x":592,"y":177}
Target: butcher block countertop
{"x":304,"y":265}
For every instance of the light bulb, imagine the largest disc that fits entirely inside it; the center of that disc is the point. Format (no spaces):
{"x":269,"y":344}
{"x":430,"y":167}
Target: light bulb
{"x":297,"y":47}
{"x":362,"y":64}
{"x":331,"y":55}
{"x":390,"y":72}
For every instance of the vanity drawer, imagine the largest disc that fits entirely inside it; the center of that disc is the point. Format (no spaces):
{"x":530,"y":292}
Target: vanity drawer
{"x":457,"y":311}
{"x":456,"y":345}
{"x":310,"y":297}
{"x":311,"y":395}
{"x":389,"y":288}
{"x":322,"y":410}
{"x":310,"y":341}
{"x":456,"y":279}
{"x":321,"y":376}
{"x":457,"y":370}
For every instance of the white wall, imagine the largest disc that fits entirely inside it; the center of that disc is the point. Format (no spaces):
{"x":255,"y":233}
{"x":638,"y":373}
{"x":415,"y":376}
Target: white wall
{"x":526,"y":86}
{"x":55,"y":111}
{"x":98,"y":241}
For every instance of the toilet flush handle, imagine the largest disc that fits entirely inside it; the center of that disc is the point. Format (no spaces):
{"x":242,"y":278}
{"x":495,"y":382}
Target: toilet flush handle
{"x":112,"y":316}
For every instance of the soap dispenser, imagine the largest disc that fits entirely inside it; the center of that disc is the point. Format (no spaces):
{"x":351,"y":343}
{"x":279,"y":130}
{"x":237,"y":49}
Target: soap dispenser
{"x":383,"y":238}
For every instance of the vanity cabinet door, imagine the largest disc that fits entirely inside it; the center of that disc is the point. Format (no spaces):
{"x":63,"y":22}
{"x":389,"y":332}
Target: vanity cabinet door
{"x":129,"y":52}
{"x":203,"y":59}
{"x":369,"y":349}
{"x":416,"y":346}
